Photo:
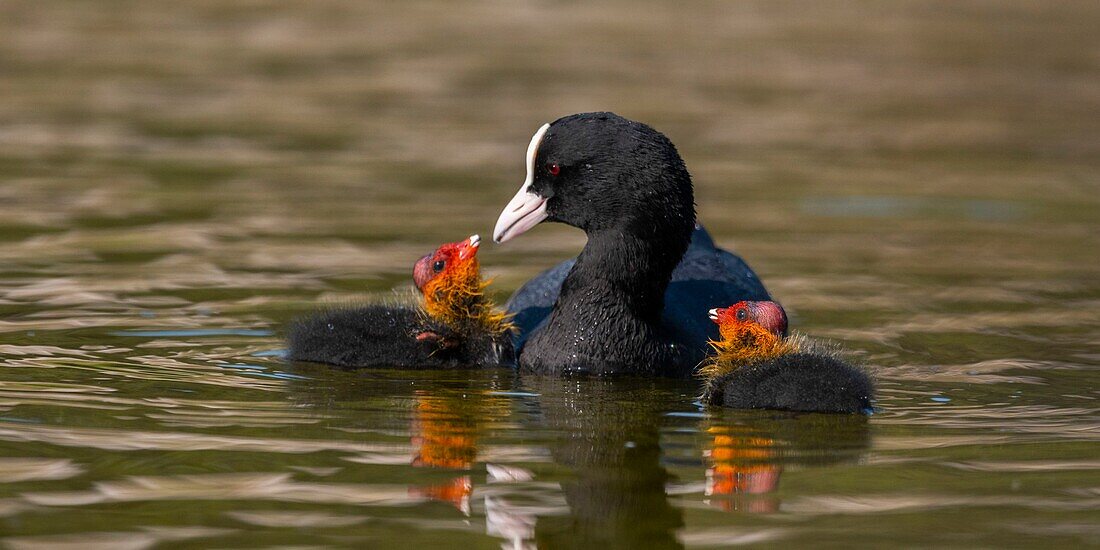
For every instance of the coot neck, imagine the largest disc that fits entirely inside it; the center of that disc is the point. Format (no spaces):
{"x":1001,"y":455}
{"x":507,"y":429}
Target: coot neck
{"x":624,"y":272}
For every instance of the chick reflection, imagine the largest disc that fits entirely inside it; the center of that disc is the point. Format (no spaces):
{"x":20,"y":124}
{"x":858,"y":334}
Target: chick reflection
{"x":747,"y":451}
{"x":444,"y":435}
{"x":449,"y":410}
{"x":741,"y":462}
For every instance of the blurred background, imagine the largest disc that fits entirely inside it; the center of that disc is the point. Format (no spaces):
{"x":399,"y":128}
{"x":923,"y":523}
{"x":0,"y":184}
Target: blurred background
{"x":315,"y":137}
{"x":919,"y":181}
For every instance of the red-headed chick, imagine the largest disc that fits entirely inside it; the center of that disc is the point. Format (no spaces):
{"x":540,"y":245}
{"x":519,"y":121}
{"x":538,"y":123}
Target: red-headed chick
{"x":757,"y":366}
{"x":751,"y":331}
{"x":450,"y":280}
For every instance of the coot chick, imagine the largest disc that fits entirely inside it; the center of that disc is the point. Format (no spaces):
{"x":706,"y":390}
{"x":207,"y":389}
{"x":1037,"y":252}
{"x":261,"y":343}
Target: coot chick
{"x":613,"y":309}
{"x":456,"y":326}
{"x":756,"y":367}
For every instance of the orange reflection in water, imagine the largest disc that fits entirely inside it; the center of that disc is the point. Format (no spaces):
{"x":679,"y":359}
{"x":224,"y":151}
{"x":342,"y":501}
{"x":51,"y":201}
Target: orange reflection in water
{"x":445,"y":431}
{"x":742,"y":463}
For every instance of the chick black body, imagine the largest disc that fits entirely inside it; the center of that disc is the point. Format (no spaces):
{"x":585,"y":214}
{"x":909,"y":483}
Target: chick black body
{"x":387,"y":336}
{"x":800,"y":381}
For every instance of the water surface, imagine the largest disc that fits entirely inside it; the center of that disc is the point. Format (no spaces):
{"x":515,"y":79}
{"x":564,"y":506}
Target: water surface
{"x":917,"y":182}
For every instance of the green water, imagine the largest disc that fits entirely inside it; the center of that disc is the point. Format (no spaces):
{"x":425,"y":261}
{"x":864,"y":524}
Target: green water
{"x":916,"y":181}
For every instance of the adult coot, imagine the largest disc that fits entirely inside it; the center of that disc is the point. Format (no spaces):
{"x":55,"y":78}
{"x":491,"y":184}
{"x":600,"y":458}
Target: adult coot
{"x":456,"y":325}
{"x":756,"y":367}
{"x":628,"y":303}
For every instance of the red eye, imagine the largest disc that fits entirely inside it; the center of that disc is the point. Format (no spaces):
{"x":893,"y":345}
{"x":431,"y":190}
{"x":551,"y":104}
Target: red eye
{"x":553,"y":168}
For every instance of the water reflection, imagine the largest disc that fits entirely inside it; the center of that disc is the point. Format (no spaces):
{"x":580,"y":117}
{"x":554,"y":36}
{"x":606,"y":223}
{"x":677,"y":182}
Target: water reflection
{"x":608,"y":435}
{"x":444,"y":435}
{"x":742,"y":463}
{"x":448,"y":414}
{"x":748,"y":451}
{"x":610,"y":481}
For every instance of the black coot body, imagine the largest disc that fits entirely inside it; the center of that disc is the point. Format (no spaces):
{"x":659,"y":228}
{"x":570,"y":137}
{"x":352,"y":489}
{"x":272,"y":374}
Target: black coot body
{"x":707,"y":275}
{"x":386,"y":336}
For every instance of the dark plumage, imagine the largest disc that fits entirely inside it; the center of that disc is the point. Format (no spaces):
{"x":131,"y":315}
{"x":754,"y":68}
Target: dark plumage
{"x":613,"y":309}
{"x":457,"y":326}
{"x":808,"y":382}
{"x":706,"y":276}
{"x":386,"y":336}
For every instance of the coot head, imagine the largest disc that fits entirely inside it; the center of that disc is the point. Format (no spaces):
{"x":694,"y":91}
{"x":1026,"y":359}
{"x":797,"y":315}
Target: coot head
{"x":750,"y":331}
{"x":450,"y":276}
{"x":600,"y":171}
{"x":450,"y":280}
{"x":765,"y":314}
{"x":451,"y":262}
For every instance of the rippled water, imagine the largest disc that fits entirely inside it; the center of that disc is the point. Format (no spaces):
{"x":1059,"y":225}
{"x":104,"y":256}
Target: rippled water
{"x":915,"y":181}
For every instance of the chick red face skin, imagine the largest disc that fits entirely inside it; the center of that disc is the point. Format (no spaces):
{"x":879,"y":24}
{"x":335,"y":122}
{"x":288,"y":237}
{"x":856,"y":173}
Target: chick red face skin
{"x":751,"y":331}
{"x":447,"y":262}
{"x":768,"y":315}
